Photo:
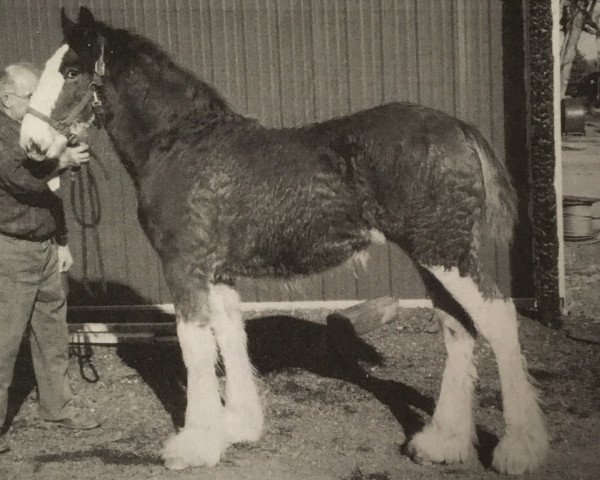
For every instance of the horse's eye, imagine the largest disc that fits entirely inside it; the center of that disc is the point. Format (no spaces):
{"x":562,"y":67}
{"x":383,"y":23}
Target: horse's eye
{"x":71,"y":73}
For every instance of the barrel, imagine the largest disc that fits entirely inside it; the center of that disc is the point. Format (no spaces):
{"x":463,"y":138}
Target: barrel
{"x":578,"y":222}
{"x":574,"y":112}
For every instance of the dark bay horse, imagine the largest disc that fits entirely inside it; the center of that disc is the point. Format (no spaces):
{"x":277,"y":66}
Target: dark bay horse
{"x":221,"y":196}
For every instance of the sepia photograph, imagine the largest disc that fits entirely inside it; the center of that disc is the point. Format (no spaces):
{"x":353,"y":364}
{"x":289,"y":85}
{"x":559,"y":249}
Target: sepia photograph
{"x":299,"y":239}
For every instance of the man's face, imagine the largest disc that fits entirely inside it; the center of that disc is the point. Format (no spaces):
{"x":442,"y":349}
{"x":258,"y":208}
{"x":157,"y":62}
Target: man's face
{"x":15,"y":97}
{"x":16,"y":104}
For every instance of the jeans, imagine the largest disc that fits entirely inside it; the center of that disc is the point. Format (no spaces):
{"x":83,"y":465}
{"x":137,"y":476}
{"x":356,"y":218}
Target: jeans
{"x":32,"y":295}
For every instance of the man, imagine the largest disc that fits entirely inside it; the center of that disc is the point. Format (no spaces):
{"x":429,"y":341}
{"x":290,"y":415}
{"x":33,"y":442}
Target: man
{"x":33,"y":254}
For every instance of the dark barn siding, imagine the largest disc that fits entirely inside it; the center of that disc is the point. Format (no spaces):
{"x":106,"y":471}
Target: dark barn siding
{"x":289,"y":62}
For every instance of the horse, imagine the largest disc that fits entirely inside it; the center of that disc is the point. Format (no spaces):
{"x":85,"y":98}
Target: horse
{"x":221,"y":196}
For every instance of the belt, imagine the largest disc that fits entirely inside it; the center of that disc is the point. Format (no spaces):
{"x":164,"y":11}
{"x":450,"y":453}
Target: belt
{"x":29,"y":238}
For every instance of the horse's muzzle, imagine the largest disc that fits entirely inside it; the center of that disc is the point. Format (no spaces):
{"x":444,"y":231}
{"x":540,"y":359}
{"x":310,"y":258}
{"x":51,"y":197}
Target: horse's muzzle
{"x":35,"y":153}
{"x":39,"y":140}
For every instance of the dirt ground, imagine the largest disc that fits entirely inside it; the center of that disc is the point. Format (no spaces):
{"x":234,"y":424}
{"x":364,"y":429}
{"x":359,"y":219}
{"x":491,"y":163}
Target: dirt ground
{"x":332,"y":413}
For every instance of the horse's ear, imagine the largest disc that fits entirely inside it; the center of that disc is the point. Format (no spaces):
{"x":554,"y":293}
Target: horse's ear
{"x":85,"y":17}
{"x":66,"y":22}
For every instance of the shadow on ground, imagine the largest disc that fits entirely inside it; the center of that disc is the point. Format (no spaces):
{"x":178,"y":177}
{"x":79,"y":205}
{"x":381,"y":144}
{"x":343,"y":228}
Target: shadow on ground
{"x":276,"y":344}
{"x":107,"y":456}
{"x":23,"y":384}
{"x":281,"y":343}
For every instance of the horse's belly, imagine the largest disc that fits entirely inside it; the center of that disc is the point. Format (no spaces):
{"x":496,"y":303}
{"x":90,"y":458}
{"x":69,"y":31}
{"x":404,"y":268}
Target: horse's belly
{"x":300,"y":255}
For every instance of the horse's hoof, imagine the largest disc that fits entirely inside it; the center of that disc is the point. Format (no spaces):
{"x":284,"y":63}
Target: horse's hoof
{"x":242,"y":426}
{"x":433,"y":445}
{"x":520,"y":453}
{"x":176,"y":463}
{"x":193,"y":447}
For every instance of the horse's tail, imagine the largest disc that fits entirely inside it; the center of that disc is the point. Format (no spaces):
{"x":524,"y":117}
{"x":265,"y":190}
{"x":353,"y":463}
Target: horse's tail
{"x":500,"y":195}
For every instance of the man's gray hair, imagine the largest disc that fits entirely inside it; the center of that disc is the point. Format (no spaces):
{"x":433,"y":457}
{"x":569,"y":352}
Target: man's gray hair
{"x":16,"y":77}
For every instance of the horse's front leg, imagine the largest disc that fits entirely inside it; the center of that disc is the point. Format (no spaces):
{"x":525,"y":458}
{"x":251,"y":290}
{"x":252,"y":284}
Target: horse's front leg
{"x":203,"y":439}
{"x":243,"y":409}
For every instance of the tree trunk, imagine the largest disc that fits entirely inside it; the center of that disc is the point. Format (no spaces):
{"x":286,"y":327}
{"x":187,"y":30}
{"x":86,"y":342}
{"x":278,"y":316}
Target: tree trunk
{"x":569,"y":48}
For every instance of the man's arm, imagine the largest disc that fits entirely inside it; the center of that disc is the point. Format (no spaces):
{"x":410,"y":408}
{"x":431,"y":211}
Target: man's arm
{"x":20,"y":175}
{"x":65,"y":259}
{"x":17,"y":176}
{"x":58,"y":212}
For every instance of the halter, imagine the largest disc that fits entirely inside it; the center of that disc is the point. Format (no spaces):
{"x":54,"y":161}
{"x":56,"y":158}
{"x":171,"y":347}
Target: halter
{"x":64,"y":126}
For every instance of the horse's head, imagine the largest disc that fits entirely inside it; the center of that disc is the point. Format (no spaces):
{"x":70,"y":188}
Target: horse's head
{"x":66,"y":90}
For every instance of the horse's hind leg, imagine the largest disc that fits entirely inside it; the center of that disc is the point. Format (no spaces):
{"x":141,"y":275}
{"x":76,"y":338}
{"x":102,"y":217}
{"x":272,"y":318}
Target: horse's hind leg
{"x":525,"y":442}
{"x":243,"y":410}
{"x":449,"y":437}
{"x":202,"y":440}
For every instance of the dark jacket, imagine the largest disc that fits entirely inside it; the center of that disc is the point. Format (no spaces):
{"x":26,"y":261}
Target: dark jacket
{"x":28,"y":208}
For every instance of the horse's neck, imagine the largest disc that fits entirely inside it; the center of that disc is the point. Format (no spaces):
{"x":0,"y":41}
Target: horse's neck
{"x":123,"y":129}
{"x":144,"y":111}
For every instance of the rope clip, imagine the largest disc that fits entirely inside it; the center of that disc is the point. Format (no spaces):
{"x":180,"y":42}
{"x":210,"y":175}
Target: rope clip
{"x":100,"y":66}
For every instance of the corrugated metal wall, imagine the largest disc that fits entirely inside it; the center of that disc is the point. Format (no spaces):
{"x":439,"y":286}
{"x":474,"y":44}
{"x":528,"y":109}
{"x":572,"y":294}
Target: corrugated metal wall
{"x":288,"y":62}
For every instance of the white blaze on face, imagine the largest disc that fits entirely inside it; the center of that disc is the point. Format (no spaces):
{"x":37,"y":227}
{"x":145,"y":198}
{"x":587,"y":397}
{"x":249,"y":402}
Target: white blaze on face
{"x":38,"y":138}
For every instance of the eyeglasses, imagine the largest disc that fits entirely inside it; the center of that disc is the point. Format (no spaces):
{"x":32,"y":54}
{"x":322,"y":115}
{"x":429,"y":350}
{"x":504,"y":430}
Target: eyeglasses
{"x":24,"y":97}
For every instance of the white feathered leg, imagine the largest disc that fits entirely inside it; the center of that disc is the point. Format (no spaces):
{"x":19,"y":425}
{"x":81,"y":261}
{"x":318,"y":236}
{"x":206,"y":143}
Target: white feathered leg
{"x":243,"y":409}
{"x":525,"y":442}
{"x":202,"y":441}
{"x":449,"y":437}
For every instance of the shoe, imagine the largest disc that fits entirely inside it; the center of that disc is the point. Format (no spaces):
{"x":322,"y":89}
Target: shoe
{"x":78,"y":421}
{"x":4,"y":446}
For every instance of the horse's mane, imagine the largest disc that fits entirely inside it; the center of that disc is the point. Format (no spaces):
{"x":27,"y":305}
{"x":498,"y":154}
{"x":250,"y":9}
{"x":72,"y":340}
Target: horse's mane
{"x":131,"y":48}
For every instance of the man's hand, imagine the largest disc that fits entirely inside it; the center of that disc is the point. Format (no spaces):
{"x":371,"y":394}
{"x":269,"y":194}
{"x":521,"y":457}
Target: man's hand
{"x":74,"y":156}
{"x":65,"y":260}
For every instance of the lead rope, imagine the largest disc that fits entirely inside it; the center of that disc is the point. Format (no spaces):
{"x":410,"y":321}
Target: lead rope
{"x":88,"y":221}
{"x":83,"y":352}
